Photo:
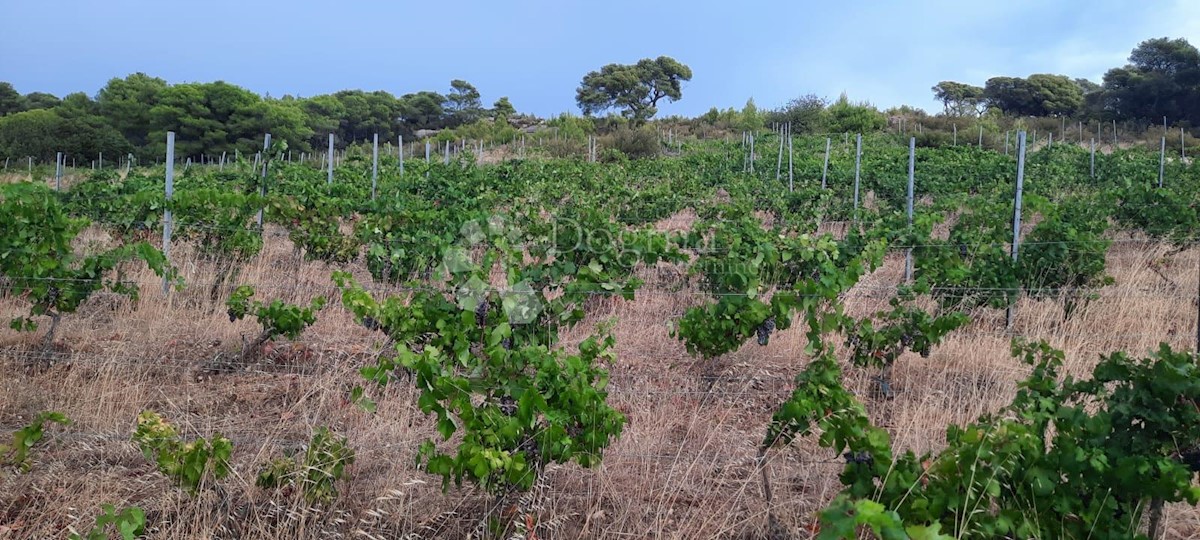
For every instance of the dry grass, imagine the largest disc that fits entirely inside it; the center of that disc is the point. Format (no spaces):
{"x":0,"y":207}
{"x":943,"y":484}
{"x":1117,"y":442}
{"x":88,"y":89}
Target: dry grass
{"x":684,"y":468}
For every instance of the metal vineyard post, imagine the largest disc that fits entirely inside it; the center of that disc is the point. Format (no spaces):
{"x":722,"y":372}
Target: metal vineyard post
{"x":169,"y":191}
{"x":779,"y":160}
{"x":262,"y":189}
{"x":912,"y":165}
{"x":1016,"y":241}
{"x":791,"y":175}
{"x":329,"y":171}
{"x":1093,"y":158}
{"x":857,"y":167}
{"x":58,"y":167}
{"x":1162,"y":161}
{"x":825,"y":168}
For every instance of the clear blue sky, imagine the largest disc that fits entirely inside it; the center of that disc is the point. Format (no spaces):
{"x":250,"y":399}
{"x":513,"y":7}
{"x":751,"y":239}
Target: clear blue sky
{"x":535,"y":52}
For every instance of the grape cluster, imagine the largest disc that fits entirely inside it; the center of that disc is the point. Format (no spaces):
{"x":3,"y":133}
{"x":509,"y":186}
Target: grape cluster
{"x":1191,"y":458}
{"x":532,"y":453}
{"x":861,"y":458}
{"x":481,"y":313}
{"x":508,"y":405}
{"x":764,"y":331}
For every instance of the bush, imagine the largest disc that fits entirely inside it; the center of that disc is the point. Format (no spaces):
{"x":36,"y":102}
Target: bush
{"x":633,"y":143}
{"x":565,"y":148}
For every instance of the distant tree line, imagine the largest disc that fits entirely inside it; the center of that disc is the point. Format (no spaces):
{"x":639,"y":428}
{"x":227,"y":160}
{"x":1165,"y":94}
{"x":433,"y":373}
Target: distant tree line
{"x":132,"y":115}
{"x":1162,"y":79}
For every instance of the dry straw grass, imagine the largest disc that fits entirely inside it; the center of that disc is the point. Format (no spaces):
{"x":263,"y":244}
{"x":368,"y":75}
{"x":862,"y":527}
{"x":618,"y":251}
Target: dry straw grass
{"x":684,"y":468}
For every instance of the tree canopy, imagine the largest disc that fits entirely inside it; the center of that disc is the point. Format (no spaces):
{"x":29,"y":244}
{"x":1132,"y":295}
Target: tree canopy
{"x":1038,"y":95}
{"x":133,"y":114}
{"x":959,"y":99}
{"x":1162,"y":79}
{"x":634,"y":89}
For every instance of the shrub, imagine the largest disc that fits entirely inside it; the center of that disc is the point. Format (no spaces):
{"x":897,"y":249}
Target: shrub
{"x":633,"y":143}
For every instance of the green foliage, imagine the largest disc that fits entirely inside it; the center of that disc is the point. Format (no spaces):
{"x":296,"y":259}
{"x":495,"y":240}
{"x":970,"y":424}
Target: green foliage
{"x":130,"y":209}
{"x":316,"y":472}
{"x":220,"y":117}
{"x":957,"y":98}
{"x":126,"y":104}
{"x":129,"y":523}
{"x":1037,"y":95}
{"x":276,"y":318}
{"x":847,"y":117}
{"x":880,"y":340}
{"x":631,"y":143}
{"x":805,"y":114}
{"x":503,"y":109}
{"x":483,"y":360}
{"x":42,"y":133}
{"x":217,"y":221}
{"x":1063,"y":253}
{"x":17,"y":453}
{"x":634,"y":89}
{"x":1159,"y":81}
{"x":750,"y":118}
{"x":185,"y":463}
{"x":463,"y":101}
{"x":740,"y":264}
{"x":1079,"y":457}
{"x":11,"y":101}
{"x":844,"y":517}
{"x":313,"y":212}
{"x":40,"y":265}
{"x":1164,"y":214}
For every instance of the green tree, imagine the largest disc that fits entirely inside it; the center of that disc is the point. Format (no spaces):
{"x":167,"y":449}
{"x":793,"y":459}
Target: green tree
{"x":184,"y":109}
{"x":323,"y":115}
{"x":503,"y":108}
{"x":806,"y":114}
{"x":634,"y":89}
{"x":422,"y":110}
{"x":367,"y":114}
{"x":285,"y":121}
{"x":1038,"y":95}
{"x":126,"y":104}
{"x":1162,"y":79}
{"x":463,"y":102}
{"x":11,"y":101}
{"x":959,"y":99}
{"x":750,"y":119}
{"x":40,"y":100}
{"x":847,"y":117}
{"x":1057,"y":95}
{"x":41,"y":133}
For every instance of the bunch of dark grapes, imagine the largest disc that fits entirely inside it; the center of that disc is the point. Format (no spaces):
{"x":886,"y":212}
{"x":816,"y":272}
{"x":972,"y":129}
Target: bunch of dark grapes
{"x":508,"y":405}
{"x":764,"y":331}
{"x":481,"y":313}
{"x":862,"y":458}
